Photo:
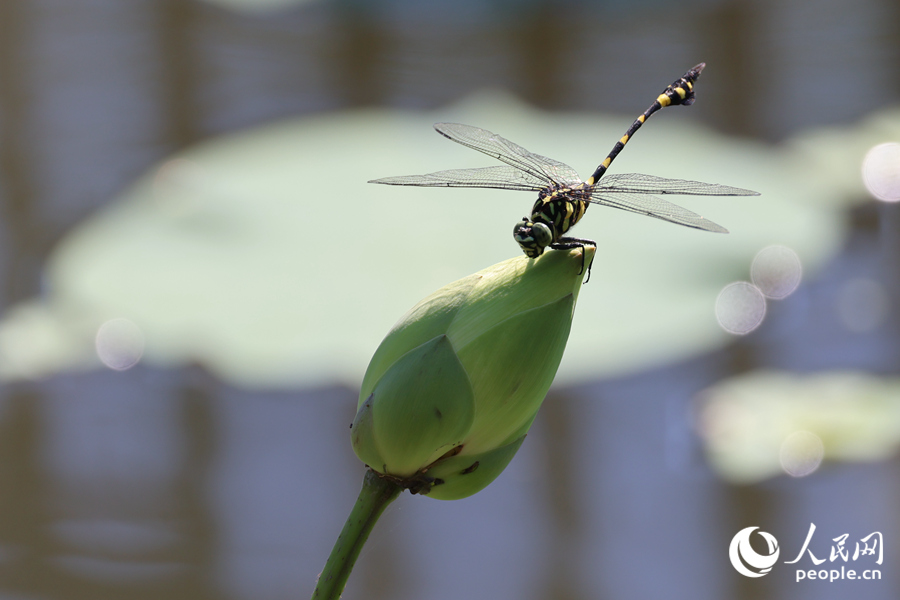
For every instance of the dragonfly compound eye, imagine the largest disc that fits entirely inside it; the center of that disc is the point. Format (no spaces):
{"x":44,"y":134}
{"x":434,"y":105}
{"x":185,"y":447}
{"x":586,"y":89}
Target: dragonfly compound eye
{"x":542,"y":234}
{"x":532,"y":237}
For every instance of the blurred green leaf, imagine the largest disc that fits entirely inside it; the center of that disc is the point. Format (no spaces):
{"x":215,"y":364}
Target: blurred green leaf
{"x":745,"y":421}
{"x":265,"y":256}
{"x":833,"y":156}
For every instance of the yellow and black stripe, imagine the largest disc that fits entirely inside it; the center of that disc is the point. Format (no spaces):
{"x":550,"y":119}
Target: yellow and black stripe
{"x":560,"y":208}
{"x":680,"y":92}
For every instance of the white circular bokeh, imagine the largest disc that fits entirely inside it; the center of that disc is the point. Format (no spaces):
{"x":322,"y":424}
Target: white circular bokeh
{"x":881,"y":172}
{"x":740,"y":308}
{"x":119,"y":344}
{"x":776,"y":271}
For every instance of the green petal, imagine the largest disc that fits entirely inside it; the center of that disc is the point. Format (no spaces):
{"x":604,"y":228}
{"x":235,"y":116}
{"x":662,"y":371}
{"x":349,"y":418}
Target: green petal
{"x":464,"y":475}
{"x":362,"y":437}
{"x":422,"y":407}
{"x":511,"y":367}
{"x":515,"y":286}
{"x":428,"y":319}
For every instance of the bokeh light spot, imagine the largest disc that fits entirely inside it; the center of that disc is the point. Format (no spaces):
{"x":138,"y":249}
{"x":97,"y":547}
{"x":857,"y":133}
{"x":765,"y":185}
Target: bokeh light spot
{"x":862,"y":304}
{"x":801,"y":453}
{"x":776,"y":271}
{"x":119,"y":344}
{"x":881,"y":172}
{"x":740,"y":308}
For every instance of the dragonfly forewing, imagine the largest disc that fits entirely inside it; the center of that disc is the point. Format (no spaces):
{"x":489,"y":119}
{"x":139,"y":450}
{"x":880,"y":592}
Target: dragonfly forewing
{"x":542,"y":167}
{"x":501,"y":178}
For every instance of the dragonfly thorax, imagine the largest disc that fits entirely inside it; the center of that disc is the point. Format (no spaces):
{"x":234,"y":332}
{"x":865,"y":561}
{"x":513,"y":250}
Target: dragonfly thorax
{"x":557,"y":209}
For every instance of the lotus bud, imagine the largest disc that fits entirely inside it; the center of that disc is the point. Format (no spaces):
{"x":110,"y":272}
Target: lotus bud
{"x":454,"y":387}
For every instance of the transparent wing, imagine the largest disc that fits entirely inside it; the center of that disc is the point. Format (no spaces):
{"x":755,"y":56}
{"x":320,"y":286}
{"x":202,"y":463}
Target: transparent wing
{"x":644,"y":204}
{"x":501,"y":178}
{"x":540,"y":167}
{"x":650,"y":184}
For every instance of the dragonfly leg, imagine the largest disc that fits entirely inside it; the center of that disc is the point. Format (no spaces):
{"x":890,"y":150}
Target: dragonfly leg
{"x":567,"y":243}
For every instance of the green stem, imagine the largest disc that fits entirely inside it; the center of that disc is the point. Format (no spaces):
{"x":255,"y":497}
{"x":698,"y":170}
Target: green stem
{"x":374,"y":497}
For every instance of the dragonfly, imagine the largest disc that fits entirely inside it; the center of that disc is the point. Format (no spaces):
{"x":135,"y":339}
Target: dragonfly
{"x":563,"y":198}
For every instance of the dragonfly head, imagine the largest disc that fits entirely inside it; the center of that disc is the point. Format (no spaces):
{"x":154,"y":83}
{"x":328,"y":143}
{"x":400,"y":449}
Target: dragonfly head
{"x":532,"y":237}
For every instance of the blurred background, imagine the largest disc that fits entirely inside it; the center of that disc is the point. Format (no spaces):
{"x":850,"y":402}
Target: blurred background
{"x":194,"y":273}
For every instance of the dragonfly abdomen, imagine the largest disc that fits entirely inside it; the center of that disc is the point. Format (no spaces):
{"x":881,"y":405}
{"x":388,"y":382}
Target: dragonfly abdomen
{"x":681,"y":91}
